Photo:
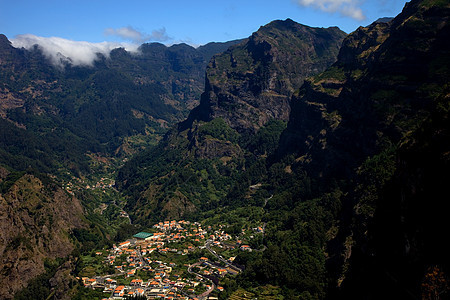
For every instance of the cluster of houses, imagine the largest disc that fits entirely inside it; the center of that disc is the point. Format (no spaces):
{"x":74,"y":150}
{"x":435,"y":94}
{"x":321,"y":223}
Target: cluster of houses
{"x":77,"y":184}
{"x":158,"y":286}
{"x":103,"y":183}
{"x":152,"y":289}
{"x":132,"y":258}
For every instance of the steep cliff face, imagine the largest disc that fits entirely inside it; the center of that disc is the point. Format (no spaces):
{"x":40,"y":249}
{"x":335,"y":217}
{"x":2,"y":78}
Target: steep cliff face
{"x":403,"y":250}
{"x":382,"y":86}
{"x":246,"y":86}
{"x":36,"y":220}
{"x":252,"y":82}
{"x":377,"y":119}
{"x":333,"y":122}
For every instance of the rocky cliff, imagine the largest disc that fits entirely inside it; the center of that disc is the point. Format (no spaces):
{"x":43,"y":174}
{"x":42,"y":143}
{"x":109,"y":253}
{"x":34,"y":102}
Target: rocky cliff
{"x":251,"y":83}
{"x":247,"y":86}
{"x":36,"y":221}
{"x":382,"y":87}
{"x":364,"y":121}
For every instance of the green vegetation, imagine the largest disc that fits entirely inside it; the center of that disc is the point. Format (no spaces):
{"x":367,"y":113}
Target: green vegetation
{"x":218,"y":129}
{"x":266,"y":140}
{"x":434,"y":3}
{"x":333,"y":73}
{"x":344,"y":198}
{"x":266,"y":292}
{"x":82,"y":293}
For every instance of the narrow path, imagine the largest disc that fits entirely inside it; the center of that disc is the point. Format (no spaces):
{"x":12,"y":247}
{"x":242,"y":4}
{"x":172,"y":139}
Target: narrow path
{"x":266,"y":200}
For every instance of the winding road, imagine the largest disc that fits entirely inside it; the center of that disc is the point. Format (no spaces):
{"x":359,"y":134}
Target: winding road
{"x":206,"y":293}
{"x":227,"y":263}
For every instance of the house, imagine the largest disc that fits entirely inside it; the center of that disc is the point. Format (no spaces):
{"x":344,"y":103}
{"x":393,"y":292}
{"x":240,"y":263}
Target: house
{"x":110,"y":282}
{"x":119,"y":291}
{"x":124,"y":244}
{"x":246,"y":248}
{"x":155,"y":292}
{"x":89,"y":281}
{"x":139,"y":292}
{"x":136,"y":282}
{"x":120,"y":268}
{"x":131,"y":294}
{"x":131,"y":273}
{"x":222,"y":271}
{"x":153,"y":284}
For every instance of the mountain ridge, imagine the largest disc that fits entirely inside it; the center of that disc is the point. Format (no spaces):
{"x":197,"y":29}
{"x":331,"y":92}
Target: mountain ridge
{"x":345,"y":164}
{"x":246,"y":89}
{"x":60,"y":130}
{"x":105,"y":105}
{"x":343,"y":169}
{"x":358,"y":121}
{"x":264,"y":54}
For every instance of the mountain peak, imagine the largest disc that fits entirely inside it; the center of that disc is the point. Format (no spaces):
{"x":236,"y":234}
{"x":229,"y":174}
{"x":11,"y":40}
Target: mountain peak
{"x":384,"y":20}
{"x":283,"y":23}
{"x":4,"y":42}
{"x":252,"y":82}
{"x":288,"y":25}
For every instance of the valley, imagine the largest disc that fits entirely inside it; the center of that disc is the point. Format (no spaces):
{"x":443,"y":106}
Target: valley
{"x":298,"y":163}
{"x":178,"y":259}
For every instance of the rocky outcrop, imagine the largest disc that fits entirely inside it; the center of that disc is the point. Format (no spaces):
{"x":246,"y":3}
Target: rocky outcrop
{"x":35,"y":224}
{"x":252,"y":82}
{"x":381,"y":87}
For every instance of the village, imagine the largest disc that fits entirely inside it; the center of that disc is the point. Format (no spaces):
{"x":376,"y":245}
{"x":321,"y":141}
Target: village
{"x":176,"y":260}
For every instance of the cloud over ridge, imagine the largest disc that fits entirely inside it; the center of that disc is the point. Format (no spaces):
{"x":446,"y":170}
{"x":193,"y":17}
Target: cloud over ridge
{"x":131,"y":34}
{"x":59,"y":50}
{"x":348,"y":8}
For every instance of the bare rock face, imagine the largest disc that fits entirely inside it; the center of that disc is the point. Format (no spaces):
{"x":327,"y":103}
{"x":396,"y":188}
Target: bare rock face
{"x":35,"y":222}
{"x":252,"y":82}
{"x":381,"y":87}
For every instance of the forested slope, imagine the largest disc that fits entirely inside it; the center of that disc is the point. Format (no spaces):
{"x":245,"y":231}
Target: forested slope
{"x":351,"y":204}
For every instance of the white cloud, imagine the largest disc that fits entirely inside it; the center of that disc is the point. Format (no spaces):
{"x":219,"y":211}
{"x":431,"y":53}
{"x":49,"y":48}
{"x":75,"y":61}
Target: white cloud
{"x":131,"y":34}
{"x":348,"y":8}
{"x":60,"y":50}
{"x":159,"y":35}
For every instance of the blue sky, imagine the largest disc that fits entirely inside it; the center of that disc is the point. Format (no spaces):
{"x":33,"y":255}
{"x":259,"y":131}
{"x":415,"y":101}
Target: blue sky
{"x":173,"y":21}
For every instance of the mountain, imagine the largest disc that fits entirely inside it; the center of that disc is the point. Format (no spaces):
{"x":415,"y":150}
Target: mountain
{"x":336,"y":146}
{"x":384,"y":20}
{"x":252,"y":82}
{"x":97,"y":109}
{"x":64,"y":127}
{"x":36,"y":221}
{"x":350,"y":190}
{"x":247,"y":90}
{"x":378,"y":121}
